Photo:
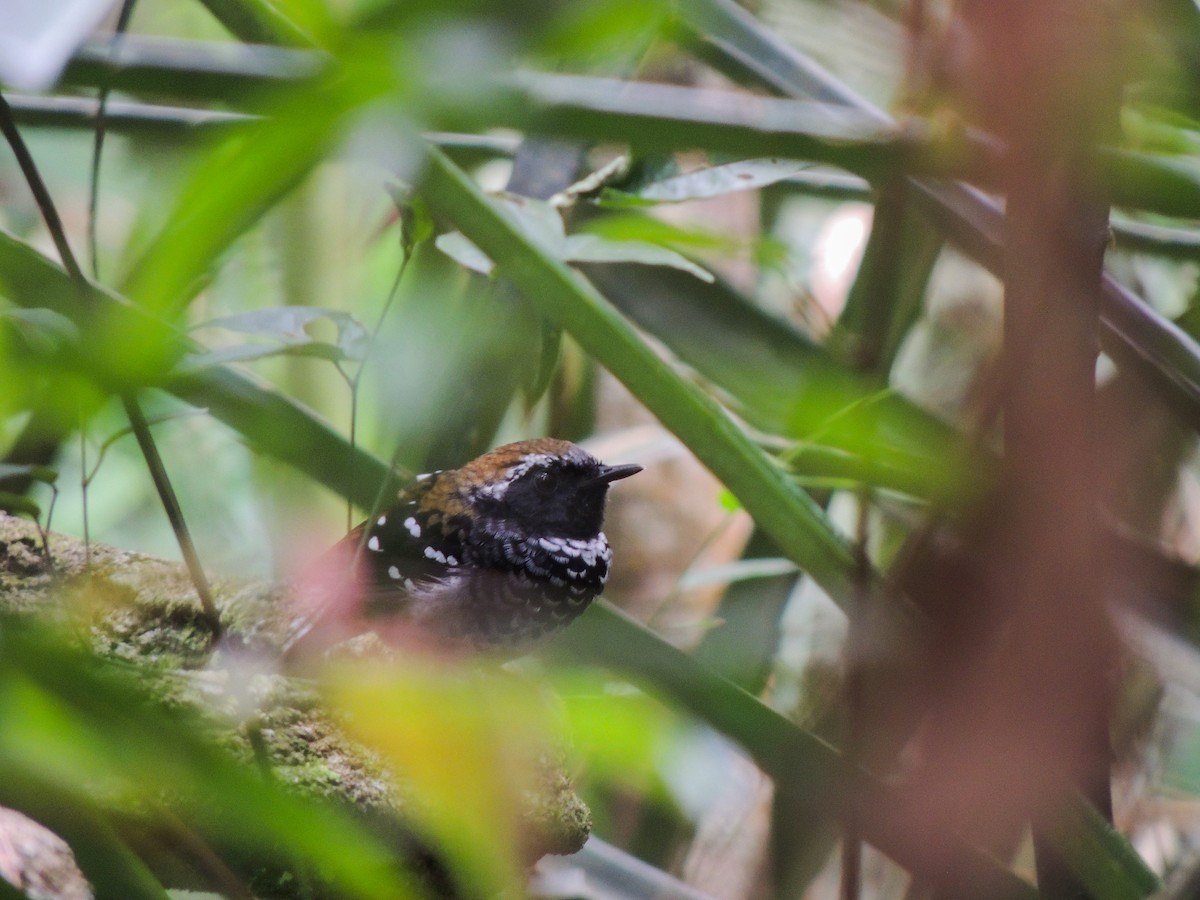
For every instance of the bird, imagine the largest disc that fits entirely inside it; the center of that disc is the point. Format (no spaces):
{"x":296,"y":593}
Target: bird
{"x":494,"y":556}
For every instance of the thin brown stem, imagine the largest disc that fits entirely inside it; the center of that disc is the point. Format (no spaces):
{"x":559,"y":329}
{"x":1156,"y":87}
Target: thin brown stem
{"x":137,"y":420}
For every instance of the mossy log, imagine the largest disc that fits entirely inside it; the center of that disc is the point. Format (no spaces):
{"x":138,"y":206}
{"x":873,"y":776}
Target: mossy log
{"x":143,"y":610}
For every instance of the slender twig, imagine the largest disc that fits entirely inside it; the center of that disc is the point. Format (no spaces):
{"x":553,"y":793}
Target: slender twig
{"x":137,"y":420}
{"x":354,"y":383}
{"x":855,"y":656}
{"x":158,"y":473}
{"x":41,"y":195}
{"x":84,"y":481}
{"x":98,"y":141}
{"x":207,"y":862}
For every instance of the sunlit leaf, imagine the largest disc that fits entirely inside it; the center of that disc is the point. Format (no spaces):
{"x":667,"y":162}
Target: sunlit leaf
{"x":466,"y":743}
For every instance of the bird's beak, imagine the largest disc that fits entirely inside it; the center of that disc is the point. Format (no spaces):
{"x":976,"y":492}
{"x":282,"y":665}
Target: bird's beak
{"x":615,"y":473}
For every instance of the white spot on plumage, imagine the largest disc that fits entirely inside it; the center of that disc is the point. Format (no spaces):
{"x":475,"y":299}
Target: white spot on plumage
{"x":413,"y":527}
{"x":451,"y":561}
{"x":393,"y":572}
{"x":381,"y":521}
{"x":408,"y":584}
{"x":373,"y":543}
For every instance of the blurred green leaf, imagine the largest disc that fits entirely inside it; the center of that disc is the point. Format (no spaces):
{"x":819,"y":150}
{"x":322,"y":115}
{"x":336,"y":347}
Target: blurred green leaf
{"x":456,"y":246}
{"x":47,"y":330}
{"x":225,"y":73}
{"x":592,"y":248}
{"x":294,"y":324}
{"x":291,"y":327}
{"x":44,"y":474}
{"x":712,"y":181}
{"x":232,"y":186}
{"x":268,"y":22}
{"x":416,"y":225}
{"x":800,"y":762}
{"x":93,"y":729}
{"x":626,"y":226}
{"x":794,"y":388}
{"x":271,"y":421}
{"x":19,"y":504}
{"x":542,"y":223}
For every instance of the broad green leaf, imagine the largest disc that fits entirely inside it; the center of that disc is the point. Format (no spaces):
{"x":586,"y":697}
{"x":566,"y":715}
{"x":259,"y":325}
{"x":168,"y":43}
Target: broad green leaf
{"x":85,"y":728}
{"x":235,"y":184}
{"x":713,"y":181}
{"x":291,"y":327}
{"x":575,"y":248}
{"x":627,"y":226}
{"x":584,"y":248}
{"x":48,"y":330}
{"x":538,"y":220}
{"x":242,"y":353}
{"x":269,"y":420}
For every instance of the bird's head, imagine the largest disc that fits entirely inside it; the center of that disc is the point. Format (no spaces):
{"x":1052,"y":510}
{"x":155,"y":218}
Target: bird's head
{"x":543,"y":487}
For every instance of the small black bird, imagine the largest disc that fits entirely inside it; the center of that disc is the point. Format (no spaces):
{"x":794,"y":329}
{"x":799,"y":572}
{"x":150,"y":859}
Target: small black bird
{"x":491,"y":556}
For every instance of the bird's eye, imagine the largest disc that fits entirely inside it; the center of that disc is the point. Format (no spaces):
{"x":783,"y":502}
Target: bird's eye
{"x":545,"y":483}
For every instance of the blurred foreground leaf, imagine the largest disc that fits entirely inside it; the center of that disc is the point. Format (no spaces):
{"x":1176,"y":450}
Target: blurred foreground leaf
{"x":95,"y":736}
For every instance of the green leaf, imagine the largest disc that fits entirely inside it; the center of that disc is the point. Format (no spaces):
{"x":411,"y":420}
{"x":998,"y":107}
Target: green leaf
{"x":713,"y":181}
{"x":801,"y":763}
{"x":626,"y":226}
{"x":269,"y":420}
{"x":235,"y":184}
{"x":576,"y":248}
{"x":44,"y":329}
{"x":73,"y":727}
{"x":456,"y":246}
{"x":537,"y":220}
{"x":44,"y":474}
{"x":20,"y":504}
{"x":292,"y":327}
{"x":596,"y":249}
